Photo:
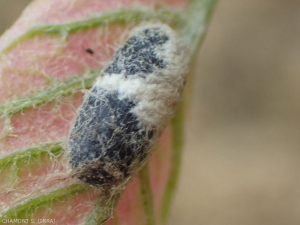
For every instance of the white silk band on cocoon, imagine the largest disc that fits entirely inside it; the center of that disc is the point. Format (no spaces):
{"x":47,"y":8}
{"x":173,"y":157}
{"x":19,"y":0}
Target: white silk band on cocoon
{"x":125,"y":113}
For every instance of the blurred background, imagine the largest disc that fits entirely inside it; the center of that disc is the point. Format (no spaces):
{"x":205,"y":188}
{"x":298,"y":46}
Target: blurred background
{"x":241,"y":163}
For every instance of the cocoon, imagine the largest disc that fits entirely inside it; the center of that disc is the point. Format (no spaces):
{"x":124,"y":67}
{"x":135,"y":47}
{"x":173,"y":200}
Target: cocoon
{"x":125,"y":113}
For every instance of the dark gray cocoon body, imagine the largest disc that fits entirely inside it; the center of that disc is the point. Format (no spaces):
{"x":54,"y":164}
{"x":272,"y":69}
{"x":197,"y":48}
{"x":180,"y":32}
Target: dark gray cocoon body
{"x":106,"y":139}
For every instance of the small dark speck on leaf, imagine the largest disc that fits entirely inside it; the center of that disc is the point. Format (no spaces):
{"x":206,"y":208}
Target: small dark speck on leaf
{"x":89,"y":51}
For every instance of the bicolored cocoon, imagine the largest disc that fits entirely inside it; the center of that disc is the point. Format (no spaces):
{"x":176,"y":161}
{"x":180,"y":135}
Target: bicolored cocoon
{"x":125,"y":113}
